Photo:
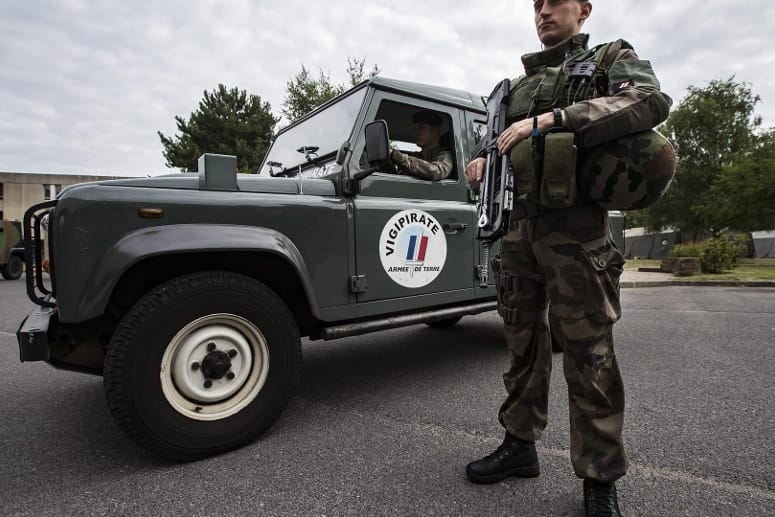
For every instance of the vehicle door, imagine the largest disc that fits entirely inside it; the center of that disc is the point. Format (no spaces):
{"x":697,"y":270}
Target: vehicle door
{"x":413,"y":237}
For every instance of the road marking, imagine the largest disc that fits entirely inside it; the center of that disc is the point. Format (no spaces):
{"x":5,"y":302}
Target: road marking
{"x":4,"y":333}
{"x":660,"y":473}
{"x":675,"y":475}
{"x":696,"y":311}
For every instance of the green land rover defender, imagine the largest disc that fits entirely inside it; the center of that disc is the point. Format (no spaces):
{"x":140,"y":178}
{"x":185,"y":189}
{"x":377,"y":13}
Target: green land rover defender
{"x":190,"y":293}
{"x":11,"y":250}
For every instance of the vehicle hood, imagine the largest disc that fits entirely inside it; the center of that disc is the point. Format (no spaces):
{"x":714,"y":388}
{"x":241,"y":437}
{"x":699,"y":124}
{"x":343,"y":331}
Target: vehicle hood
{"x":245,"y":182}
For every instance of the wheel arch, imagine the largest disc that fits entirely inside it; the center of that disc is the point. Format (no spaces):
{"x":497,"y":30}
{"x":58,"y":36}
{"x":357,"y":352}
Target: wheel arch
{"x":148,"y":257}
{"x":13,"y":252}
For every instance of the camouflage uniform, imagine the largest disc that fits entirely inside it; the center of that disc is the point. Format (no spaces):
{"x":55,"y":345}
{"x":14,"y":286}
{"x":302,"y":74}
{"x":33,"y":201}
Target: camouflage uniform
{"x":431,"y":164}
{"x":565,"y":261}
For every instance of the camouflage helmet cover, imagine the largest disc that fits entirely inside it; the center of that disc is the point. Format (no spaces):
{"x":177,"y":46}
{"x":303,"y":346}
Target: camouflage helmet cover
{"x":629,"y":173}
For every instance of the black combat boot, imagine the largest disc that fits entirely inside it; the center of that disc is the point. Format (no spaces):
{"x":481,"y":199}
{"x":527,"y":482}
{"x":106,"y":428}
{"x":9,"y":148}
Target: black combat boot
{"x":514,"y":457}
{"x":600,"y":499}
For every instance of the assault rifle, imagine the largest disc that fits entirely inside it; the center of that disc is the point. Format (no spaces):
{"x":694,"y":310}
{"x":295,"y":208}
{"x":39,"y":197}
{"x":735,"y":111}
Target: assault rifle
{"x":496,"y":191}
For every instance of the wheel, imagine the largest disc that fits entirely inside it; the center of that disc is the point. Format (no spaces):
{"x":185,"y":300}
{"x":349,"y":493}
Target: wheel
{"x":202,"y":364}
{"x":445,"y":323}
{"x":13,"y":269}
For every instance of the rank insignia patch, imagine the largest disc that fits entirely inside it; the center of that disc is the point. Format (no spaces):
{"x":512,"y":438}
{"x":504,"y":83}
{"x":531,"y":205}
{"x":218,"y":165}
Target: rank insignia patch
{"x":622,"y":85}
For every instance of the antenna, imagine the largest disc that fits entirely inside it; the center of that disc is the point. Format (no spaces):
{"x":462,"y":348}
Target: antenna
{"x":307,"y":151}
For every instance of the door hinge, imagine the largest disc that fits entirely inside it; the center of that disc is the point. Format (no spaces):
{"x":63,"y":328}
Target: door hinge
{"x":350,"y":187}
{"x":358,"y":284}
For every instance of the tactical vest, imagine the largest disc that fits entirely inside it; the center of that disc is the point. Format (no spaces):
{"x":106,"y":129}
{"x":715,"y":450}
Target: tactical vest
{"x":581,"y":76}
{"x":631,"y":172}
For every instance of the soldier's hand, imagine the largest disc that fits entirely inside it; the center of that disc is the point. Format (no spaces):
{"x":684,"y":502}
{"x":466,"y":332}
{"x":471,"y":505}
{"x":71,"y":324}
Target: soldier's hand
{"x":522,"y":129}
{"x":474,"y":172}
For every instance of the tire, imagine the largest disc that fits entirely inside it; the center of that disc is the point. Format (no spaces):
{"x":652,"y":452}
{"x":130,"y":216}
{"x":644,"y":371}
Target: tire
{"x":13,"y":269}
{"x":218,"y":327}
{"x":445,"y":323}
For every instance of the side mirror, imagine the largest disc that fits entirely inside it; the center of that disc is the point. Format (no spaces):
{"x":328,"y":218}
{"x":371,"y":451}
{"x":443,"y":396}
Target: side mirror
{"x":377,"y":148}
{"x":377,"y":142}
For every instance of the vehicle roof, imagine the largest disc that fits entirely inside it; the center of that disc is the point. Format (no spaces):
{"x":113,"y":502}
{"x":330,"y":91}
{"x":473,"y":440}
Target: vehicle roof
{"x":451,"y":96}
{"x":441,"y":94}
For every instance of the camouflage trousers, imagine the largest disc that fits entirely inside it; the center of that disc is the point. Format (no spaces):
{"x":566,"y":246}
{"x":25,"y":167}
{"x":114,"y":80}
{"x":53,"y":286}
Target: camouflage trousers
{"x":564,"y":262}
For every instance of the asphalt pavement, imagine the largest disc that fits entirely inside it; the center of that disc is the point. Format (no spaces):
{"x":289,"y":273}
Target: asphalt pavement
{"x":384,"y":424}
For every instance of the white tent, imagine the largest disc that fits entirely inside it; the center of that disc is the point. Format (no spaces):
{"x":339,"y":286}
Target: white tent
{"x":640,"y":244}
{"x":764,"y":243}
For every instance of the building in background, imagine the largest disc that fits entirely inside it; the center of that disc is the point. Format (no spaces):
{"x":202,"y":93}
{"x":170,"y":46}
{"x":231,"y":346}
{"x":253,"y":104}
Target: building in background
{"x":20,"y":190}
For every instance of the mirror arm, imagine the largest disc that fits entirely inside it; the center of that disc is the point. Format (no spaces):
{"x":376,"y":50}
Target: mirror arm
{"x":358,"y":176}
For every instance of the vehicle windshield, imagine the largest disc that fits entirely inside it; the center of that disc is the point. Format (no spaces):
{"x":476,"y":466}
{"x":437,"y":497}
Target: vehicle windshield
{"x":311,"y":146}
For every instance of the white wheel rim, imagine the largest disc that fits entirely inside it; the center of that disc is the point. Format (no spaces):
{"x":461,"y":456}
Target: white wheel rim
{"x":214,"y":367}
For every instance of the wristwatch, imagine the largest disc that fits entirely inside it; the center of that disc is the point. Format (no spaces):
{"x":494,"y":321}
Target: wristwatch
{"x":557,"y":117}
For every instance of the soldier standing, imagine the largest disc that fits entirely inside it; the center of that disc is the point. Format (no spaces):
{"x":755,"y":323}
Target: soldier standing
{"x":434,"y":162}
{"x":579,"y":141}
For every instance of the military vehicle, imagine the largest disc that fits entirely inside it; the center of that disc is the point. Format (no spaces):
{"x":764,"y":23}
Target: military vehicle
{"x":190,"y":293}
{"x":11,"y":250}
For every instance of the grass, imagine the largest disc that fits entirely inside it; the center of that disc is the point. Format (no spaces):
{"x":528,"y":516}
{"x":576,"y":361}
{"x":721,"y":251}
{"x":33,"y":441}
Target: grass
{"x":747,"y":270}
{"x":634,"y":264}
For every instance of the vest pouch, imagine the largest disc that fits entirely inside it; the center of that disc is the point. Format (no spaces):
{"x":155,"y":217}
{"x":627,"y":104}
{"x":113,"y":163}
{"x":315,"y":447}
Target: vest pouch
{"x":525,"y":180}
{"x":558,"y":181}
{"x":535,"y":94}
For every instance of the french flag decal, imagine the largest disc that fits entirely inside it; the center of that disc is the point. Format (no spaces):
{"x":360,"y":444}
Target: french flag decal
{"x":416,"y":251}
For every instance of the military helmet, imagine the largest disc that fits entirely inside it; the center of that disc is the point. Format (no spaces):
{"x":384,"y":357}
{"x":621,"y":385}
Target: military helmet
{"x":629,"y":173}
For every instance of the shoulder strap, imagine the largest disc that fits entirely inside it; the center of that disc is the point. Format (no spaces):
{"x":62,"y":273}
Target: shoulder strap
{"x":605,"y":54}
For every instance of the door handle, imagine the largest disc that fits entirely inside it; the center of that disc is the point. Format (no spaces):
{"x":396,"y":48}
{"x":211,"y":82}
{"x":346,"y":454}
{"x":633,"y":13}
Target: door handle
{"x":453,"y":228}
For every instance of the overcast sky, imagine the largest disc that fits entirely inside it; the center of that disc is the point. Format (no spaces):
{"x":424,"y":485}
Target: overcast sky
{"x":85,"y":85}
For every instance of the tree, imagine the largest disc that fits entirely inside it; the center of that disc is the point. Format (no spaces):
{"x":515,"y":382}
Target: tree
{"x":305,"y":92}
{"x":709,"y":129}
{"x":228,"y":121}
{"x":355,"y":70}
{"x":742,"y":197}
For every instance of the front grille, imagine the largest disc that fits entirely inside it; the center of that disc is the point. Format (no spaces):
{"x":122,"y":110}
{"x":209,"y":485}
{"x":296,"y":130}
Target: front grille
{"x":33,"y":254}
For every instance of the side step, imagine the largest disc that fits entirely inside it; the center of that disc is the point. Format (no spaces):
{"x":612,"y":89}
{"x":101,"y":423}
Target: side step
{"x":365,"y":327}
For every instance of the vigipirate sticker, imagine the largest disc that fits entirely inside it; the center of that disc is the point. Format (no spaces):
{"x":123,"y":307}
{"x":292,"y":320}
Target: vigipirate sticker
{"x":413,"y":248}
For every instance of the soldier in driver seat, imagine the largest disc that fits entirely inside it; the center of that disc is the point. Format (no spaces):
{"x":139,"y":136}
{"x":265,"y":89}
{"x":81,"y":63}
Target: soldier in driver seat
{"x":434,"y":162}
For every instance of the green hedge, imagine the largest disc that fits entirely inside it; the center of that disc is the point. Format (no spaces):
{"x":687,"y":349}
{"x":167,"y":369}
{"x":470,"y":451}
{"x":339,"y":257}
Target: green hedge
{"x":720,"y":254}
{"x":686,"y":250}
{"x":717,"y":254}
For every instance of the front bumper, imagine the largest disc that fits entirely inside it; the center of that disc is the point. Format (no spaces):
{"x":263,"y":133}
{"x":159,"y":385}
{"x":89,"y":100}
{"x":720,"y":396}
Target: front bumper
{"x":33,"y":335}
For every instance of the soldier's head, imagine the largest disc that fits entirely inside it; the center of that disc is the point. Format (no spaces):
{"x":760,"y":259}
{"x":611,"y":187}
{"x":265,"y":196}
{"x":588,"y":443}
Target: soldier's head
{"x":427,"y":128}
{"x":558,"y":20}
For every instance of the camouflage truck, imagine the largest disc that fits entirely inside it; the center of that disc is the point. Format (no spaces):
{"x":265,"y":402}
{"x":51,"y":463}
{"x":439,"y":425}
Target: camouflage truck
{"x":190,"y":293}
{"x":11,"y":250}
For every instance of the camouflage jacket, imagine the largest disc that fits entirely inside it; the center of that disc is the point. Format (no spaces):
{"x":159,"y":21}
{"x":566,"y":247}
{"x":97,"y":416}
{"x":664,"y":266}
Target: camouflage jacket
{"x":432,"y":164}
{"x":624,"y":96}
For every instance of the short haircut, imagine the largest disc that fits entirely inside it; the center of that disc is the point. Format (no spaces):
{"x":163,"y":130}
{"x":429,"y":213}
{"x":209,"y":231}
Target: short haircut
{"x":429,"y":117}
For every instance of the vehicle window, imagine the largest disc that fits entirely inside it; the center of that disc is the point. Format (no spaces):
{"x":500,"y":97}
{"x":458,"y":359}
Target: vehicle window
{"x":310,"y":147}
{"x":398,"y":117}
